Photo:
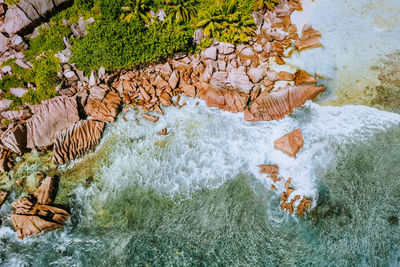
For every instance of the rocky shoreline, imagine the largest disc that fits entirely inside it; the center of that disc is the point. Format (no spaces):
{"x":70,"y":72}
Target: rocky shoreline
{"x":234,"y":78}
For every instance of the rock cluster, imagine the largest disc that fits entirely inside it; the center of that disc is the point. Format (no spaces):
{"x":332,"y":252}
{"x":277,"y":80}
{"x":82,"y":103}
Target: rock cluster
{"x":36,"y":213}
{"x":18,"y":22}
{"x":232,"y":78}
{"x":287,"y":203}
{"x":72,"y":125}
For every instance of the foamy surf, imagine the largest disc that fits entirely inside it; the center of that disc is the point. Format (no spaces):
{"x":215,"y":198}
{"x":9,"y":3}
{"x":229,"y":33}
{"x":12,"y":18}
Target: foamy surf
{"x":207,"y":147}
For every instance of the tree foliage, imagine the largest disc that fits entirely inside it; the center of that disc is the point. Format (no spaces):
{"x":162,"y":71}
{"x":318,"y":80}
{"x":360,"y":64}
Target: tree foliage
{"x":226,"y":23}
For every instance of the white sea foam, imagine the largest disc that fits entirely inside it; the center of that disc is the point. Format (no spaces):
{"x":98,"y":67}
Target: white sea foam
{"x":207,"y":147}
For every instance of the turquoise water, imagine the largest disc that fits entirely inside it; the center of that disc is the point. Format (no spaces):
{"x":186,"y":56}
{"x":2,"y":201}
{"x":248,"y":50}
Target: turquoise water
{"x":131,"y":217}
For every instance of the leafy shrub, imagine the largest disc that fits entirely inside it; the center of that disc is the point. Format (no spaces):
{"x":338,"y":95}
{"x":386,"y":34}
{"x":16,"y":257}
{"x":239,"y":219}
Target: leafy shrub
{"x":206,"y":43}
{"x":49,"y":39}
{"x":84,"y":4}
{"x":114,"y":45}
{"x":45,"y":79}
{"x":111,"y":9}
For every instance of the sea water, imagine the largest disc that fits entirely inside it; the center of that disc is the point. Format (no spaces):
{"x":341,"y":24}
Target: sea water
{"x":196,"y":197}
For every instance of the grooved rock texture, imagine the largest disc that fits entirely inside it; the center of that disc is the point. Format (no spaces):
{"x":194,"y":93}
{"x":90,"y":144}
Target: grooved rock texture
{"x":46,"y":193}
{"x":51,"y":117}
{"x":275,"y":105}
{"x":233,"y":101}
{"x":76,"y":140}
{"x":14,"y":138}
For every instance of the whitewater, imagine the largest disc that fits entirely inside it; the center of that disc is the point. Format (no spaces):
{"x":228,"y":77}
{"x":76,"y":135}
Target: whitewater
{"x":196,"y":196}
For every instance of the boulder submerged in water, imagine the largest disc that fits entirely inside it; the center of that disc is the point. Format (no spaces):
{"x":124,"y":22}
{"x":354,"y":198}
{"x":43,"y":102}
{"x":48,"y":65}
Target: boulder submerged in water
{"x":36,"y":213}
{"x":291,"y":143}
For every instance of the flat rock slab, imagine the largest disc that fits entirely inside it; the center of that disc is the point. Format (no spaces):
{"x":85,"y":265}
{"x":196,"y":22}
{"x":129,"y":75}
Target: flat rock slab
{"x":291,"y":143}
{"x":51,"y":117}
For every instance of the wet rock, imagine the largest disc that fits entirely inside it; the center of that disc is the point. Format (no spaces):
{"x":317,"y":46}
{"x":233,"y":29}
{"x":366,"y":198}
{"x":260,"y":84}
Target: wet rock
{"x":51,"y":117}
{"x":310,"y":38}
{"x":290,"y":143}
{"x":269,"y":169}
{"x":272,"y":172}
{"x":286,"y":76}
{"x":31,"y":217}
{"x":3,"y":197}
{"x":275,"y":105}
{"x":47,"y":191}
{"x":23,"y":205}
{"x":150,"y":117}
{"x":102,"y":104}
{"x":304,"y":204}
{"x":303,"y":77}
{"x":163,"y":132}
{"x":18,"y":92}
{"x":189,"y":90}
{"x":165,"y":99}
{"x":75,"y":141}
{"x":228,"y":100}
{"x":15,"y":138}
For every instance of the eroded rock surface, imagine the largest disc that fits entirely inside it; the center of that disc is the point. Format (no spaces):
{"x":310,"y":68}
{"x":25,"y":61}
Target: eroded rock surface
{"x":275,"y":105}
{"x":75,"y":141}
{"x":102,"y":104}
{"x":36,"y":213}
{"x":51,"y":117}
{"x":15,"y":138}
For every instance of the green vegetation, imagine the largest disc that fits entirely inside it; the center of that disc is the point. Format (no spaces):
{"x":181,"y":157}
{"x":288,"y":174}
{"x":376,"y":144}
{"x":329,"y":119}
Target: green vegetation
{"x":114,"y":45}
{"x":127,"y":33}
{"x":181,"y":10}
{"x":262,"y":4}
{"x":226,"y":23}
{"x":136,"y":10}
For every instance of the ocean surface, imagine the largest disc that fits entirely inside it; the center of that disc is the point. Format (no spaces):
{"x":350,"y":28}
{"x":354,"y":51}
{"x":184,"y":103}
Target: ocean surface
{"x":196,"y":197}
